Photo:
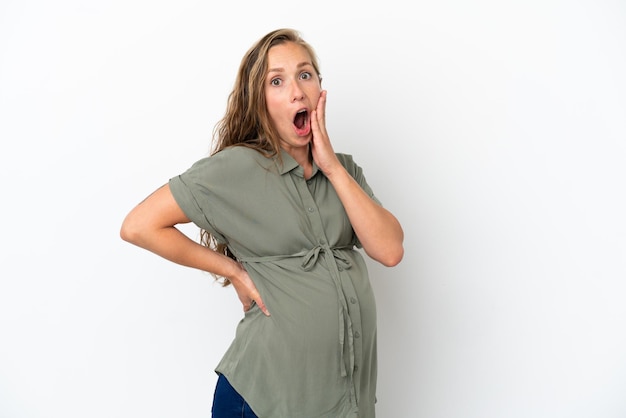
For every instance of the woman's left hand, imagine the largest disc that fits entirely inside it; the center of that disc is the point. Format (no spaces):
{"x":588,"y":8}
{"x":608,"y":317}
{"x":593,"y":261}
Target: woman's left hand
{"x":321,"y":148}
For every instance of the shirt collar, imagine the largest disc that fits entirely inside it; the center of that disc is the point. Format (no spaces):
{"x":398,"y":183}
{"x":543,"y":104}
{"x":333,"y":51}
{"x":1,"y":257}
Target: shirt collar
{"x":289,"y":164}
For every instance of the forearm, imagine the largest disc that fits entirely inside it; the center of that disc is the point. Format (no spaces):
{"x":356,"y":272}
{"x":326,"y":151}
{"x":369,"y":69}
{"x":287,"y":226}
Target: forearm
{"x":378,"y":230}
{"x":171,"y":244}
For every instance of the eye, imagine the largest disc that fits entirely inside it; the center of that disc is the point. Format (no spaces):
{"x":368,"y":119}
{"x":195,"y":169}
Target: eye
{"x":306,"y":75}
{"x":275,"y":82}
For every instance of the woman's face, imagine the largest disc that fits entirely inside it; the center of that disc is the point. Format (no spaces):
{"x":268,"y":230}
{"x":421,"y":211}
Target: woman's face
{"x":292,"y":90}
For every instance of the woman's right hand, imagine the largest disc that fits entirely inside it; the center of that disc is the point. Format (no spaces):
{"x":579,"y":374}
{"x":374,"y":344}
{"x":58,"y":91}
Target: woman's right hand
{"x":247,"y":291}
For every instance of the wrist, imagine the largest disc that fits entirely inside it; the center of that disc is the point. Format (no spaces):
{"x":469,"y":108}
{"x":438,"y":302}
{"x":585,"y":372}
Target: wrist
{"x":235,"y":271}
{"x":336,"y":174}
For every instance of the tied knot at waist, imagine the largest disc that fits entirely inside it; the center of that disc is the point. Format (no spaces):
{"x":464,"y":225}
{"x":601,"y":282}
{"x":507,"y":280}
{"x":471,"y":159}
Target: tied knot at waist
{"x":309,"y":257}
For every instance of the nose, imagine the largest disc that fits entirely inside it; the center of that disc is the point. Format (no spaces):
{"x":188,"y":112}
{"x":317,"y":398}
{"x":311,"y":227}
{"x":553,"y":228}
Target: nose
{"x":296,"y":93}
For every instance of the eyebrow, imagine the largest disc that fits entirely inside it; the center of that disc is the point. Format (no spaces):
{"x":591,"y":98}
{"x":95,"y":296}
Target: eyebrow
{"x":281,"y":69}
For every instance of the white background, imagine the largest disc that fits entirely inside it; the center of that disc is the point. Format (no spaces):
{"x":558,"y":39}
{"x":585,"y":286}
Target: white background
{"x":495,"y":131}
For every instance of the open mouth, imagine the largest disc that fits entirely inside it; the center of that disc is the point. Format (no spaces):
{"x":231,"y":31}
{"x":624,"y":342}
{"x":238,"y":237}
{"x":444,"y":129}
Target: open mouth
{"x":301,"y":123}
{"x":301,"y":119}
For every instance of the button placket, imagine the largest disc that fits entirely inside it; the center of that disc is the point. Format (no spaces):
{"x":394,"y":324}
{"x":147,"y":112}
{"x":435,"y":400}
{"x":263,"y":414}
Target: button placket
{"x":346,"y":318}
{"x":354,"y":311}
{"x":311,"y":208}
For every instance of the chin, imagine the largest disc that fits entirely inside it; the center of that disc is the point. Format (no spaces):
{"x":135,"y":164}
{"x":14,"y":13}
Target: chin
{"x":302,"y":140}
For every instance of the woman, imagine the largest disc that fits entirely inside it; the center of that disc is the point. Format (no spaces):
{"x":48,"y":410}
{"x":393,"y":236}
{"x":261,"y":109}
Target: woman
{"x":281,"y":214}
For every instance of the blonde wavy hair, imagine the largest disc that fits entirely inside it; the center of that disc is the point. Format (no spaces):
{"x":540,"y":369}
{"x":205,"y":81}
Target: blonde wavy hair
{"x":246,"y":121}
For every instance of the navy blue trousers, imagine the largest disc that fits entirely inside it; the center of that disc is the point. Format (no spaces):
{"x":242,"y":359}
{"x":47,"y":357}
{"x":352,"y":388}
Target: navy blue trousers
{"x":227,"y":403}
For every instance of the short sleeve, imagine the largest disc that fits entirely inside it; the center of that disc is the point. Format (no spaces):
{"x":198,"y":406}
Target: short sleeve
{"x":192,"y":192}
{"x":357,"y":173}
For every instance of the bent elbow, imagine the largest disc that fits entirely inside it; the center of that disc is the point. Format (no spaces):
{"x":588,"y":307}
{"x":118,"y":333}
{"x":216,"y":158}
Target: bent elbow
{"x":395,"y":258}
{"x":128,"y":232}
{"x":392,"y":258}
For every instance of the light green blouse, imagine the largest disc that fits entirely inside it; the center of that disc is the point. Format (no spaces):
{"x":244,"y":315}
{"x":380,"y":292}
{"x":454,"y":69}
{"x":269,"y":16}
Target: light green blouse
{"x":315,"y":356}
